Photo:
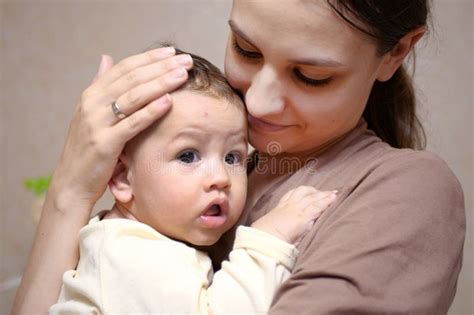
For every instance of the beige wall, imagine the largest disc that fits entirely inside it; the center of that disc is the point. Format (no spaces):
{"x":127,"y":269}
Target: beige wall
{"x":50,"y":50}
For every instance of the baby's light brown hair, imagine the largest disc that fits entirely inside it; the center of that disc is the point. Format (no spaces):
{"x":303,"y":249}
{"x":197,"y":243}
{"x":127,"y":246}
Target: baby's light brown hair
{"x":206,"y":78}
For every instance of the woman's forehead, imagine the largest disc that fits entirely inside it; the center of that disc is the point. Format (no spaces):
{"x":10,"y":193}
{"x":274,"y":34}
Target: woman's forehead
{"x":296,"y":24}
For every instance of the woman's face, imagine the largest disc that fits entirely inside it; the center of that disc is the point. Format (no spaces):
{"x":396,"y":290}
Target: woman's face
{"x":305,"y":73}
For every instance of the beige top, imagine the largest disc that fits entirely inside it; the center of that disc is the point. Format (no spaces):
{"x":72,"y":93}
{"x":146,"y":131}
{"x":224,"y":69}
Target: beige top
{"x":392,"y":242}
{"x":126,"y":267}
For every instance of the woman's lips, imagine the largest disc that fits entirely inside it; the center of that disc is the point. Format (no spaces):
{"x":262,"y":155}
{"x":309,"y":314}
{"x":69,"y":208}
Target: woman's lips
{"x":263,"y":125}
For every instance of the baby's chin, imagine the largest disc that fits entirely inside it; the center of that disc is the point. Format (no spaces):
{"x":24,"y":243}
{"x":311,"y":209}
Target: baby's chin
{"x":201,"y":242}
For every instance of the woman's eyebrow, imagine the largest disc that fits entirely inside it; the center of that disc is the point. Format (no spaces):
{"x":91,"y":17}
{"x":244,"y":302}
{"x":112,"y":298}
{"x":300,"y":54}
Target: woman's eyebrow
{"x":239,"y":32}
{"x":319,"y":62}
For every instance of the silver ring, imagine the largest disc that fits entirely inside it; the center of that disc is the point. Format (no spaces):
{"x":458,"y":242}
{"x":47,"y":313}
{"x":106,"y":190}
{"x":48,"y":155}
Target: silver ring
{"x":116,"y":111}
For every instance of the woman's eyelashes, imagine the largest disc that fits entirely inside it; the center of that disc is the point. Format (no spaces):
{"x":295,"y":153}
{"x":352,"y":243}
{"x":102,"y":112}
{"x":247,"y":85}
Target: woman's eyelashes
{"x":245,"y":53}
{"x":309,"y":81}
{"x":254,"y":55}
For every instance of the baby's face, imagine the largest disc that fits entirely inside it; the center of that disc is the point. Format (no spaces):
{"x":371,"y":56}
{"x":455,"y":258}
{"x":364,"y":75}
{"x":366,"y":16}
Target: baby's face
{"x":188,"y":175}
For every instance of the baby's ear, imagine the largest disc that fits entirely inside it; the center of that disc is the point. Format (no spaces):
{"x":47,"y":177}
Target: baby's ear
{"x":119,"y":184}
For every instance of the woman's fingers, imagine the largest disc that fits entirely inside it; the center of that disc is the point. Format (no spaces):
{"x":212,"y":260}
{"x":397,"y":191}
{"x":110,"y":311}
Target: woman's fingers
{"x":106,"y":62}
{"x":130,"y":126}
{"x":145,"y":74}
{"x":135,"y":89}
{"x":131,"y":63}
{"x":139,"y":96}
{"x":148,"y":72}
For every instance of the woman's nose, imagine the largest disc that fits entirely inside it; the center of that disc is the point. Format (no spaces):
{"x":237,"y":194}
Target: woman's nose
{"x":217,"y":177}
{"x":264,"y":95}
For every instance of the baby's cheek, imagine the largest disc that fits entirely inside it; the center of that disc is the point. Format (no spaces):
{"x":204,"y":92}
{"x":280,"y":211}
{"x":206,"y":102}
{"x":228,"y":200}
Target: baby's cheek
{"x":174,"y":192}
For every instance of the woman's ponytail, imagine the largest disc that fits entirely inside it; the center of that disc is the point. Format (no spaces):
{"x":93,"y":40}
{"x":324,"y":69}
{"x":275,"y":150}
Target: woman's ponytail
{"x":391,"y":108}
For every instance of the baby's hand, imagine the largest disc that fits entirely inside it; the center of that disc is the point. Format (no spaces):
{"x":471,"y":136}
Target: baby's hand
{"x":296,"y":213}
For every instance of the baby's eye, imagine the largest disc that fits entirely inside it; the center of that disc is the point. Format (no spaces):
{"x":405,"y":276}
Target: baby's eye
{"x":188,"y":157}
{"x":232,"y":158}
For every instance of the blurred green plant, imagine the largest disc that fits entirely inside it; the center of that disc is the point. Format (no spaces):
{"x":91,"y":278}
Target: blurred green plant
{"x":37,"y":185}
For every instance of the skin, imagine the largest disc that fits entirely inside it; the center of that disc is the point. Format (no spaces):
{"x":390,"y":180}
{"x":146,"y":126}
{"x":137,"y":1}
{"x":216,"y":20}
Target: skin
{"x":302,"y":116}
{"x":198,"y":150}
{"x":309,"y":118}
{"x":194,"y":156}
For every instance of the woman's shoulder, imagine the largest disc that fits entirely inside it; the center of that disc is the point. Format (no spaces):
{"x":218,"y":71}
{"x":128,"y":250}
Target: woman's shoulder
{"x":399,"y":221}
{"x":408,"y":196}
{"x":415,"y":164}
{"x":390,"y":155}
{"x":370,"y":172}
{"x":412,"y":171}
{"x":366,"y":156}
{"x":403,"y":184}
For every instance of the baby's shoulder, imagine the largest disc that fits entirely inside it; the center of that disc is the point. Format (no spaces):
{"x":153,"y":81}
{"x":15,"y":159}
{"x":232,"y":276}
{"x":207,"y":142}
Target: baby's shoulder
{"x":124,"y":243}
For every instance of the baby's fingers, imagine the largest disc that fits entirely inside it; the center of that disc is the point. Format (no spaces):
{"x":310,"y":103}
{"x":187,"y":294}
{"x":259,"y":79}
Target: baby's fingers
{"x":286,"y":196}
{"x":314,"y":205}
{"x":302,"y":192}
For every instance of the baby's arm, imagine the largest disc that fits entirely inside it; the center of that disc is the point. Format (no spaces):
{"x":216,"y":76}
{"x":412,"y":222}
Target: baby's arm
{"x":127,"y":267}
{"x":264,"y":254}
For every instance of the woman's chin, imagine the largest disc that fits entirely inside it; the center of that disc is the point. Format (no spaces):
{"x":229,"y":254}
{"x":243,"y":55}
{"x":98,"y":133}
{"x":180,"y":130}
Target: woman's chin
{"x":265,"y":144}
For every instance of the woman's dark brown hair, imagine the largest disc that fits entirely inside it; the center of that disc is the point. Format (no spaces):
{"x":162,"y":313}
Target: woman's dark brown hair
{"x":391,"y":108}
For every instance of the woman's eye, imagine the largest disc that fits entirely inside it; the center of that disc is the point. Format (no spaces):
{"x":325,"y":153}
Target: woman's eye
{"x":245,"y":53}
{"x":232,"y":158}
{"x":308,"y":81}
{"x":188,"y":157}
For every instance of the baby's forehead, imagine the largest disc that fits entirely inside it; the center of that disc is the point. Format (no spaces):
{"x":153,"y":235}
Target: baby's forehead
{"x":194,"y":122}
{"x":210,"y":112}
{"x":188,"y":98}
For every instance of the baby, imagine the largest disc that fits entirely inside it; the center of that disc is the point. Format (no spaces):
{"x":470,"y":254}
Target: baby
{"x":178,"y":186}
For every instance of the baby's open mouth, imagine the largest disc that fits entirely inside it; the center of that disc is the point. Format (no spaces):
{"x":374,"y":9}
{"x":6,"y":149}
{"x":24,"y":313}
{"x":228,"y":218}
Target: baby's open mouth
{"x":215,"y":215}
{"x":213,"y":211}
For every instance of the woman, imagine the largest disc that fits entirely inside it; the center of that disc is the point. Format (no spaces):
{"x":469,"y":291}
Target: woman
{"x":317,"y":77}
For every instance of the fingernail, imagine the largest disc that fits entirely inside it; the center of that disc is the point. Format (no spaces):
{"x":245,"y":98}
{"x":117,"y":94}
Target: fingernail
{"x":184,"y":60}
{"x":335,"y":191}
{"x":101,"y":64}
{"x":162,"y":101}
{"x":166,"y":51}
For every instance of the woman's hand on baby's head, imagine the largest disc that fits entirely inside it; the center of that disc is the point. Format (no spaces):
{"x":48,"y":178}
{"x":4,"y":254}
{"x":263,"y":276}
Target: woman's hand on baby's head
{"x":138,"y":85}
{"x":296,"y":213}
